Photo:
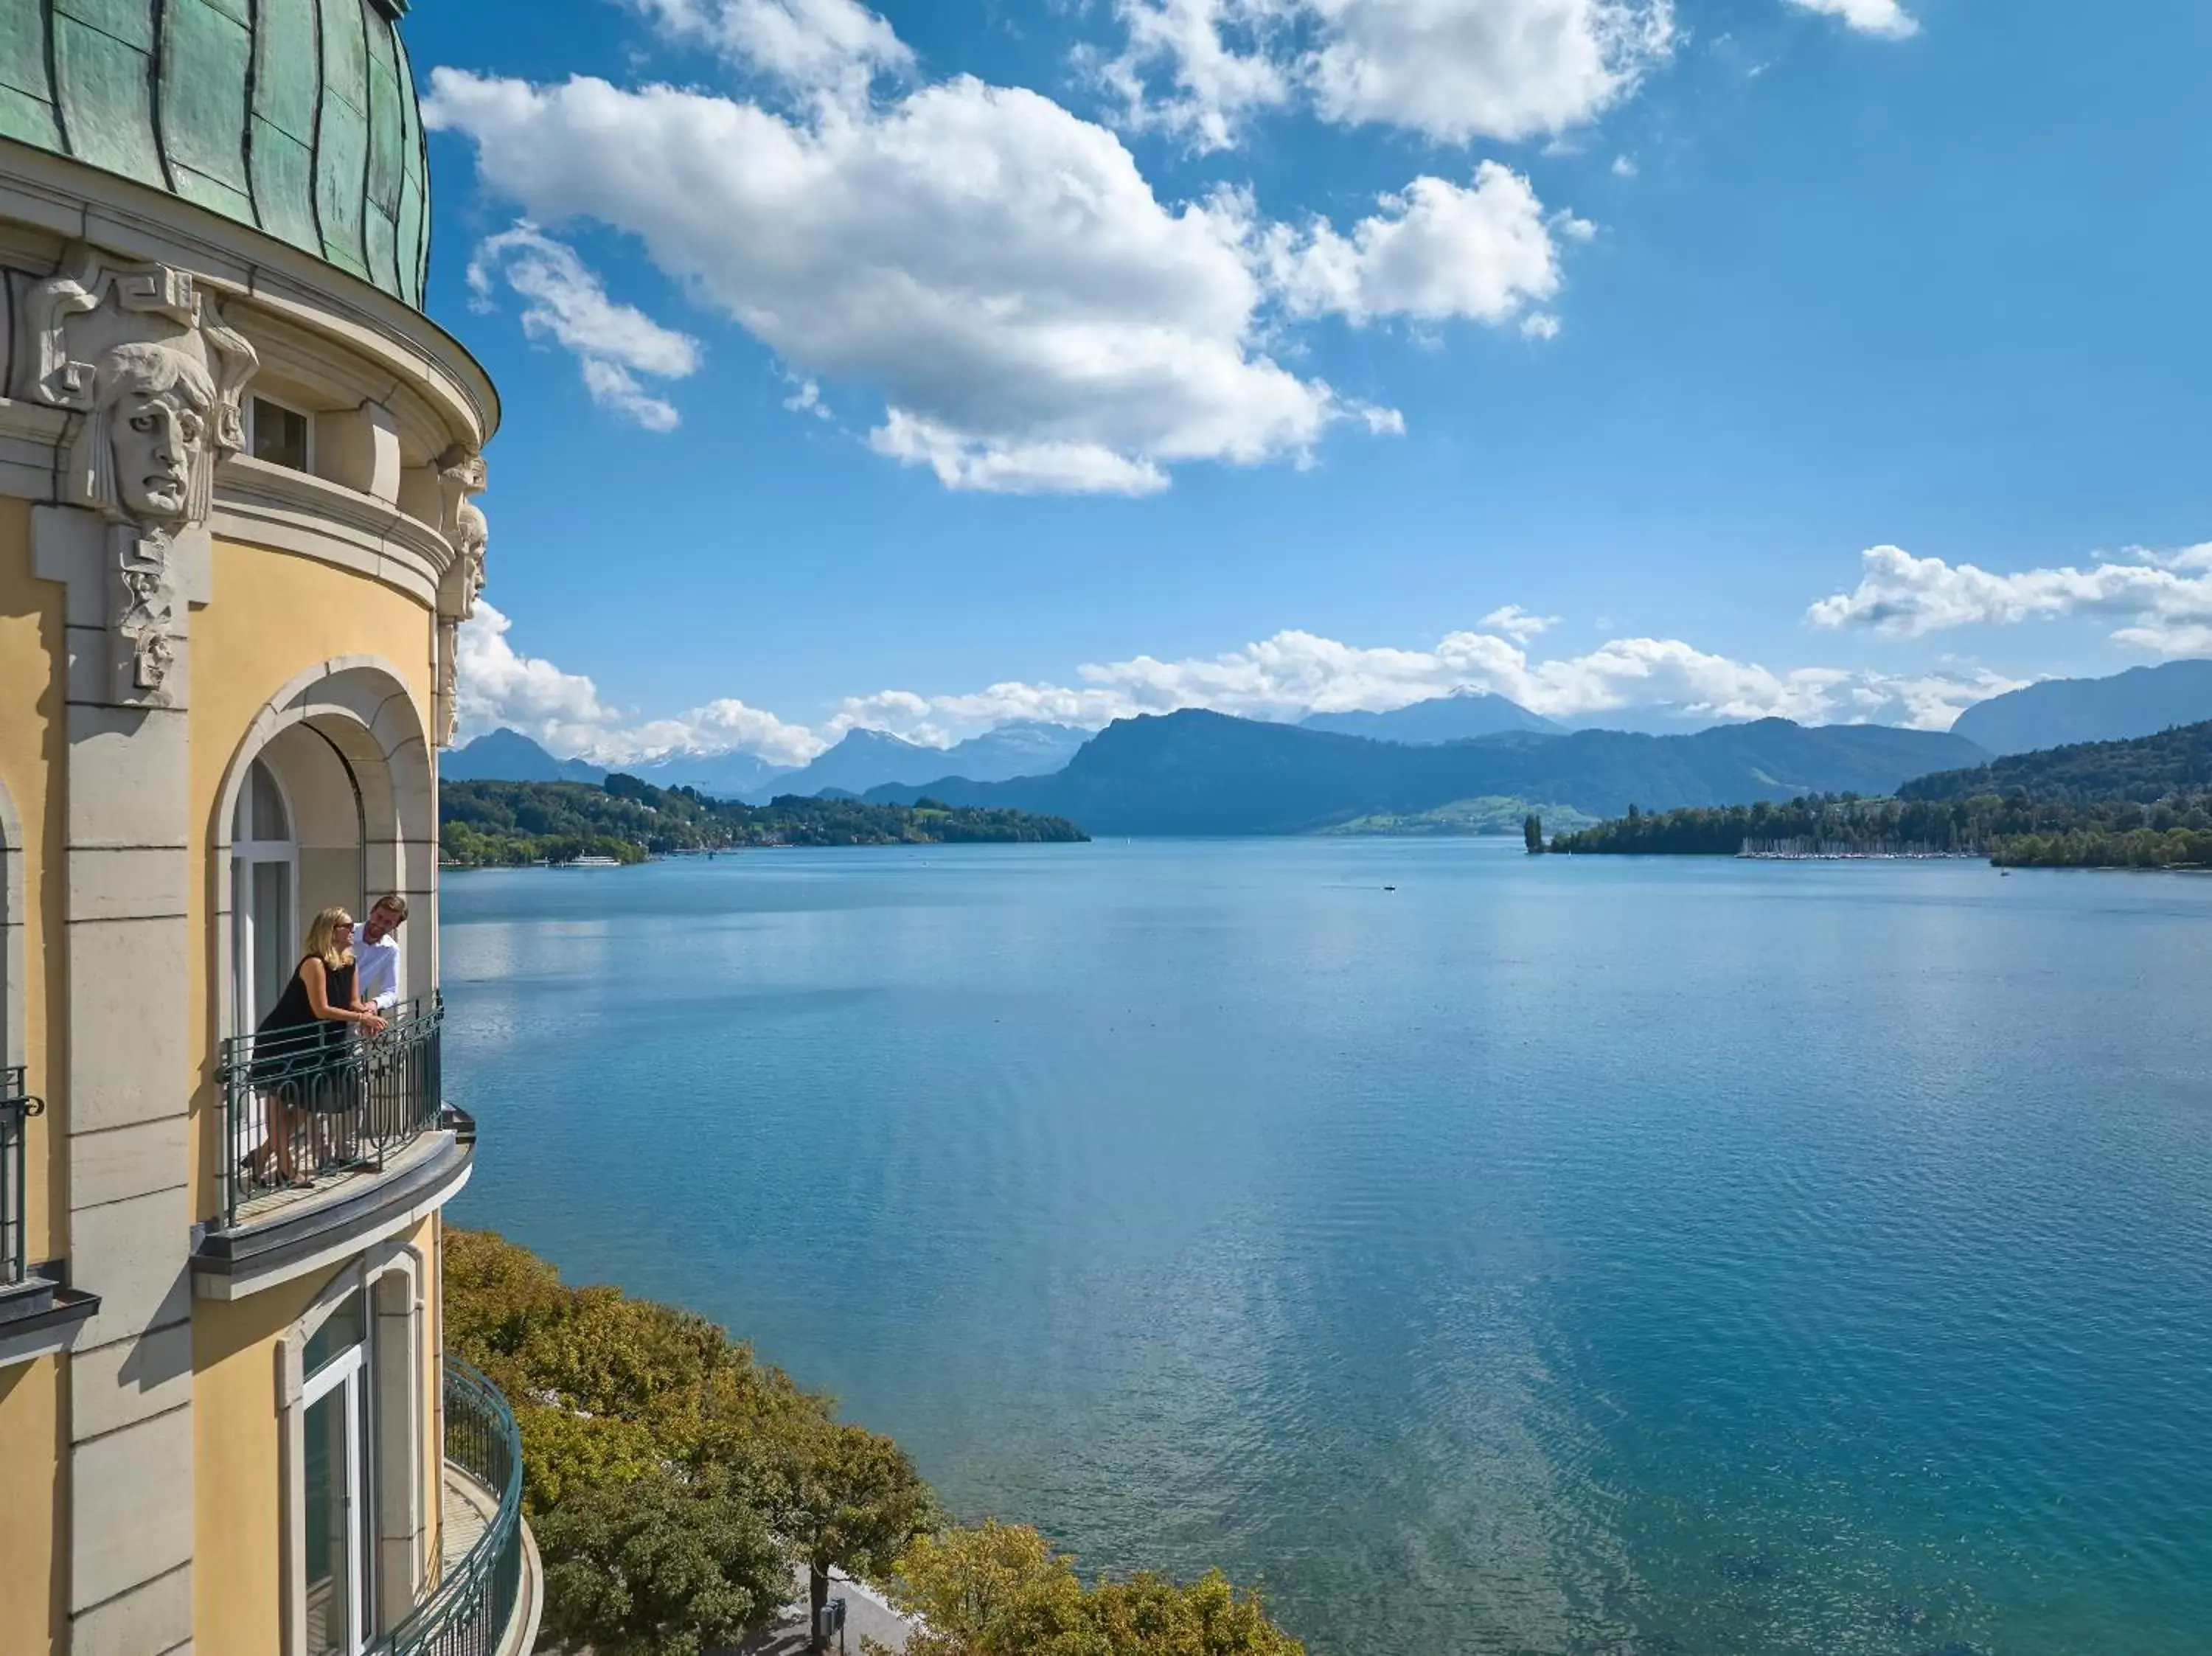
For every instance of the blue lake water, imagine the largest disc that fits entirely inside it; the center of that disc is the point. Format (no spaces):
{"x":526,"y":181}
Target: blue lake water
{"x":1546,"y":1256}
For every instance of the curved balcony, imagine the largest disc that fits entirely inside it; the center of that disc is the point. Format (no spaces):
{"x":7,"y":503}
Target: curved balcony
{"x":38,"y":1316}
{"x":491,"y":1588}
{"x":327,"y":1142}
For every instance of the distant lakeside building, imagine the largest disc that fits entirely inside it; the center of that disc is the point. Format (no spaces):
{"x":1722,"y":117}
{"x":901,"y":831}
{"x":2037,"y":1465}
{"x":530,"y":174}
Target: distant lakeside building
{"x":236,"y":539}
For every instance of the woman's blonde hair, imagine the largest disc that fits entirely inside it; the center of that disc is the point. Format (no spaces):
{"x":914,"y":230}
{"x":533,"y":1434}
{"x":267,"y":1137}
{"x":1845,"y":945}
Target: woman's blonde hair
{"x":323,"y":938}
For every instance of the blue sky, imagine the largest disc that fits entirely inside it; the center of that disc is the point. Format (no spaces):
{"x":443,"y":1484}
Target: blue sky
{"x":931,"y":364}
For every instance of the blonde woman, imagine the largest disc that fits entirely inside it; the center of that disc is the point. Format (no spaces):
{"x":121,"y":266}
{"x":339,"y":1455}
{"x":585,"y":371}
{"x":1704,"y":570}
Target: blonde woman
{"x":298,"y":1046}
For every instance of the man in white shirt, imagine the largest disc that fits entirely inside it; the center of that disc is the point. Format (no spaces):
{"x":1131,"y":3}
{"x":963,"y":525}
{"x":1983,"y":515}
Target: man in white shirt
{"x":376,"y":953}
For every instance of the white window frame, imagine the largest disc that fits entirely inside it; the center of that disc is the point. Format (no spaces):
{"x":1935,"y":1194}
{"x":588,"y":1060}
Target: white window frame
{"x":254,"y":397}
{"x":348,"y":1371}
{"x":401,"y":1508}
{"x":245,"y":855}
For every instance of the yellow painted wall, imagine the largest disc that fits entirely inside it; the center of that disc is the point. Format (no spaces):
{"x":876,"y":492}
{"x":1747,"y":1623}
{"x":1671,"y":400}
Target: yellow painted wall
{"x":431,"y":1239}
{"x":275,"y":616}
{"x":33,"y":737}
{"x":33,"y":1513}
{"x":238,"y":1473}
{"x":237,"y":1551}
{"x":33,"y":1422}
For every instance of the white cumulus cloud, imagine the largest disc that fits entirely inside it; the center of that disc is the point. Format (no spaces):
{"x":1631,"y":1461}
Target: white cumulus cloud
{"x":496,"y":685}
{"x":1516,"y":624}
{"x":613,"y":342}
{"x":1451,"y":69}
{"x":1437,"y":250}
{"x":998,"y":270}
{"x":1283,"y":676}
{"x":1884,"y":18}
{"x":1222,"y":60}
{"x":2162,"y":602}
{"x":1456,"y":70}
{"x":1295,"y":672}
{"x":833,"y":47}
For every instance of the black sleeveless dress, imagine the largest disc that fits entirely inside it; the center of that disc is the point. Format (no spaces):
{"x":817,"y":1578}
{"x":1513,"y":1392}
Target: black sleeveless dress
{"x":293,"y":1046}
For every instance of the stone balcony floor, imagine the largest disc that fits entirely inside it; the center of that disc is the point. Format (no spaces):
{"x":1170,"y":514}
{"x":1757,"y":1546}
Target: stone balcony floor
{"x":469,"y":1507}
{"x":283,"y":1201}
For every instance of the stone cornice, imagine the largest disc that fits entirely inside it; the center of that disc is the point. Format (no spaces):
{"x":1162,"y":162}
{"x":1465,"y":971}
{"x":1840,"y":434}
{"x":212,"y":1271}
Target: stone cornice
{"x":271,"y":506}
{"x":231,"y":1264}
{"x":48,"y":201}
{"x":257,"y":504}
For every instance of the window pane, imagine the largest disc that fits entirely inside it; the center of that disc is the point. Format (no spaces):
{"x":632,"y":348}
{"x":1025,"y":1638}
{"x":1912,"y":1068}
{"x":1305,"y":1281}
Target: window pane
{"x":271,"y":928}
{"x":280,"y":436}
{"x":340,"y":1334}
{"x":331,"y":1558}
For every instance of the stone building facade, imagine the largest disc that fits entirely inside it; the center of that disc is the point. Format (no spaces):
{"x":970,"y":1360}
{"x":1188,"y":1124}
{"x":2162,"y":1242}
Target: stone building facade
{"x":236,"y":539}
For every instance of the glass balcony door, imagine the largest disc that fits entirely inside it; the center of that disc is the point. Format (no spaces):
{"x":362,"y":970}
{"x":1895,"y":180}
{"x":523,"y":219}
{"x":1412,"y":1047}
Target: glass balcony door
{"x":264,"y":869}
{"x":337,"y":1507}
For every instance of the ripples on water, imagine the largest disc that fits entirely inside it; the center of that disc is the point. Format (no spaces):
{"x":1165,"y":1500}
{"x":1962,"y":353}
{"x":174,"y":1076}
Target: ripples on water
{"x":1552,"y":1255}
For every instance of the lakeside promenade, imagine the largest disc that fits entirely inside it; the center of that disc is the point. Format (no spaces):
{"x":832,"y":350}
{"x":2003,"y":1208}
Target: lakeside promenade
{"x":866,"y":1617}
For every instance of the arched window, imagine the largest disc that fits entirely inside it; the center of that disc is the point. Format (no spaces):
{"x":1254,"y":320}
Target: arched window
{"x":264,"y":880}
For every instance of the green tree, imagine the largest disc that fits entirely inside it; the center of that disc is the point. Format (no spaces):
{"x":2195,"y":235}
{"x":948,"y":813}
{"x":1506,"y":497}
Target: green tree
{"x":1001,"y":1589}
{"x":1532,"y":832}
{"x":654,"y":1449}
{"x":851,"y":1500}
{"x":673,"y":1482}
{"x":657,"y":1566}
{"x":992,"y":1590}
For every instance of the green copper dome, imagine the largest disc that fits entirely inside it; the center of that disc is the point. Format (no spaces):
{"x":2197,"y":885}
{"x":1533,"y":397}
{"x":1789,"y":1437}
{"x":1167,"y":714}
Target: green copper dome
{"x":296,"y":116}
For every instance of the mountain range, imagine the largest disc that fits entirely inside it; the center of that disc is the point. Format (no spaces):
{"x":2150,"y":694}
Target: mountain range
{"x":863,"y":759}
{"x":734,"y":775}
{"x":870,"y":759}
{"x":506,"y":755}
{"x":2059,"y":712}
{"x":1201,"y":772}
{"x":1464,"y":715}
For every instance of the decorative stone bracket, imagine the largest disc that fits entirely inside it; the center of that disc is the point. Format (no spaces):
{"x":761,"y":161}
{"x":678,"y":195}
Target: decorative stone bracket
{"x":139,"y":354}
{"x":461,"y":474}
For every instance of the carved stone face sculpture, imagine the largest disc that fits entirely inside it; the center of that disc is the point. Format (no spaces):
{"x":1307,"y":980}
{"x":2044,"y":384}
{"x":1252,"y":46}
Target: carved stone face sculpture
{"x":154,"y":409}
{"x":472,"y":535}
{"x":154,"y":434}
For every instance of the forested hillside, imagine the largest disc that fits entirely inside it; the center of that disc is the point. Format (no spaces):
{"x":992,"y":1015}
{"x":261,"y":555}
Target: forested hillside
{"x":2145,"y":769}
{"x":2141,"y":803}
{"x":494,"y":824}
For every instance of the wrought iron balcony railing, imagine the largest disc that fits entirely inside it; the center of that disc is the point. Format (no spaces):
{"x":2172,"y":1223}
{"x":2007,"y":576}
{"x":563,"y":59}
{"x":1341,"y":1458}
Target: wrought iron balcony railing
{"x":16,"y":1107}
{"x":304,"y":1106}
{"x":468,"y":1611}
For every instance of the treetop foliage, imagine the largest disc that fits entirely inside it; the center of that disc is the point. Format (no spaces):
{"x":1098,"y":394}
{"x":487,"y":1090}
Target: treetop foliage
{"x":1002,"y":1590}
{"x":508,"y":823}
{"x":1841,"y":820}
{"x":676,"y":1483}
{"x":2145,"y":769}
{"x":653,"y":1565}
{"x":2146,"y":803}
